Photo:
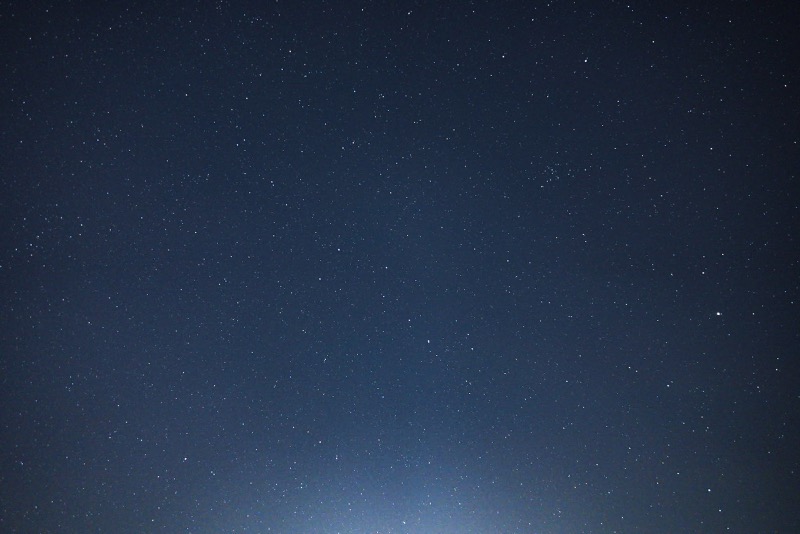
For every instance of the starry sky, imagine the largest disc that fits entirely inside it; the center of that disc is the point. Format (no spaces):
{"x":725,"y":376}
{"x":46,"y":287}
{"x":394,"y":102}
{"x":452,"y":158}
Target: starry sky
{"x":399,"y":267}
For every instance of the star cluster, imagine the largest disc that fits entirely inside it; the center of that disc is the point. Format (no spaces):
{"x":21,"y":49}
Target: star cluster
{"x":360,"y":267}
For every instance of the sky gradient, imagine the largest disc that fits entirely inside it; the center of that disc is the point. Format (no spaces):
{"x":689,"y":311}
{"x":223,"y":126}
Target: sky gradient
{"x":399,"y":267}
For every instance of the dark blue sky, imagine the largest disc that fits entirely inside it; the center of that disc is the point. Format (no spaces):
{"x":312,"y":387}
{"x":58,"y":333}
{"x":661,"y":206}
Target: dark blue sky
{"x":469,"y":267}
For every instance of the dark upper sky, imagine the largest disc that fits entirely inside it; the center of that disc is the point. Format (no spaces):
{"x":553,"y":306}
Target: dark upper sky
{"x":468,"y":267}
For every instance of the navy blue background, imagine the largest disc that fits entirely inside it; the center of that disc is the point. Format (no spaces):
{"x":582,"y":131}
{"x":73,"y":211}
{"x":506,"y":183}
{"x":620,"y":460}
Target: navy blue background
{"x":399,"y":267}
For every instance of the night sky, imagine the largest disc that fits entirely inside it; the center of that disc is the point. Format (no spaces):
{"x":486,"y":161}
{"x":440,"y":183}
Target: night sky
{"x":399,"y":267}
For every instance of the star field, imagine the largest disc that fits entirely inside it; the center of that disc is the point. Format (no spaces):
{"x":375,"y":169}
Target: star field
{"x":361,"y":267}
